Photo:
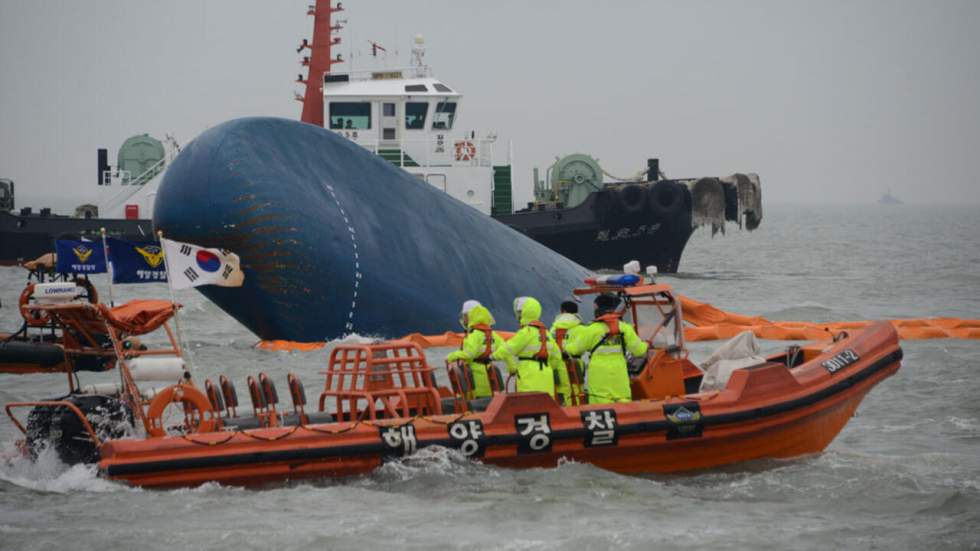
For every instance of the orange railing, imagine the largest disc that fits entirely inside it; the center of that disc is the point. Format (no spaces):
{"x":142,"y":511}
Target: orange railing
{"x":380,"y":380}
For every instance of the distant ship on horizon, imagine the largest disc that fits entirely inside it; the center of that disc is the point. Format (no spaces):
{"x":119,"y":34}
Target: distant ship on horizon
{"x":889,"y":199}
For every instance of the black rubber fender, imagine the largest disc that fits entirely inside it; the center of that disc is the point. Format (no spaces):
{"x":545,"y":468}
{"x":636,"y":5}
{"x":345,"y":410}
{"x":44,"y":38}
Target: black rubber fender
{"x":666,"y":199}
{"x":606,"y":206}
{"x":632,"y":198}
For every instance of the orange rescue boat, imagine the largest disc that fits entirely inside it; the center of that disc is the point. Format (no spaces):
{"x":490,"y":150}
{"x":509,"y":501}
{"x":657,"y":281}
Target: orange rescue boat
{"x":381,"y":401}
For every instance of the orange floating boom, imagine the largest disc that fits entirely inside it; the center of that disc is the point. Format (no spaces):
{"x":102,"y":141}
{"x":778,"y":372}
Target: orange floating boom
{"x":709,"y":323}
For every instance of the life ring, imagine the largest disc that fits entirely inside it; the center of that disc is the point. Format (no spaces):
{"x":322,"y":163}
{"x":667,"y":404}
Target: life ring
{"x":37,"y":318}
{"x":632,"y":198}
{"x":198,"y":414}
{"x":90,"y":293}
{"x":32,"y":317}
{"x":465,"y":150}
{"x":665,"y":199}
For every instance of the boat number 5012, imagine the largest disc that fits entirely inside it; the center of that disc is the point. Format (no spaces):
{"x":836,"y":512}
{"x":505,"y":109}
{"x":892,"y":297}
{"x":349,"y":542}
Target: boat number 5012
{"x":840,"y":361}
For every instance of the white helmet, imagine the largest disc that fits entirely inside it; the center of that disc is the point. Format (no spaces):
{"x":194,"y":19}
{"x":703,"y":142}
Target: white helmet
{"x":464,"y":312}
{"x":518,"y":306}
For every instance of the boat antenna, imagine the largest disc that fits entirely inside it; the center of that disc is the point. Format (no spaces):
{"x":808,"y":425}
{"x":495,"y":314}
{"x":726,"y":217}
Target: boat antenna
{"x":418,"y":53}
{"x":375,"y":48}
{"x":110,"y":267}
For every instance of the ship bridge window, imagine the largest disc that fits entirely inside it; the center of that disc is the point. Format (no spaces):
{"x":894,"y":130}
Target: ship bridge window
{"x":442,"y":87}
{"x":444,"y":116}
{"x":356,"y":115}
{"x":416,"y":88}
{"x":415,"y":115}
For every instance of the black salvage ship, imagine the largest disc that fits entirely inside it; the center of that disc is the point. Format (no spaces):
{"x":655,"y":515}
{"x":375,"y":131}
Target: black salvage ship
{"x":647,"y":218}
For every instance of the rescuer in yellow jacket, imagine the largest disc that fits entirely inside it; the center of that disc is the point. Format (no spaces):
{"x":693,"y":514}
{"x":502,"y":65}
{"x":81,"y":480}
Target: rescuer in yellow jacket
{"x":478,"y":345}
{"x":607,"y":339}
{"x":566,"y":326}
{"x":532,"y":354}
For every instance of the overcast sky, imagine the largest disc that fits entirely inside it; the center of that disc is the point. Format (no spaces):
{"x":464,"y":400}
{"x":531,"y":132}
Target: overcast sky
{"x":830,"y":101}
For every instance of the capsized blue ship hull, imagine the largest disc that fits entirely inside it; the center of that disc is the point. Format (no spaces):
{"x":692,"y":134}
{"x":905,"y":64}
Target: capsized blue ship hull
{"x":334,"y":240}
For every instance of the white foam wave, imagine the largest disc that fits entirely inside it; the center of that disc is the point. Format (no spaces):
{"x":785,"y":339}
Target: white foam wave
{"x":48,"y":474}
{"x":437,"y":460}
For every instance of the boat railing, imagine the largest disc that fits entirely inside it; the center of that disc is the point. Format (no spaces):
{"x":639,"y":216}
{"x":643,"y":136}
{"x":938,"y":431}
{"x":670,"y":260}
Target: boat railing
{"x":130,"y":185}
{"x":390,"y":380}
{"x":86,"y":425}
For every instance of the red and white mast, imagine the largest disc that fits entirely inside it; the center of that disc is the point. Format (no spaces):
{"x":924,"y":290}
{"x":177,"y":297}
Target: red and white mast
{"x":319,"y":61}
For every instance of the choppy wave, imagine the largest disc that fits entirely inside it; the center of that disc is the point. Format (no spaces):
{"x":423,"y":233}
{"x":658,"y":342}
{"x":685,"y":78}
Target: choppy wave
{"x":904,"y":473}
{"x":48,"y":474}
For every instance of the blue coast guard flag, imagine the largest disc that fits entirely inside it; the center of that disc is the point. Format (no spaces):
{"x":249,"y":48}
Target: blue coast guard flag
{"x":79,"y":257}
{"x":136,"y":262}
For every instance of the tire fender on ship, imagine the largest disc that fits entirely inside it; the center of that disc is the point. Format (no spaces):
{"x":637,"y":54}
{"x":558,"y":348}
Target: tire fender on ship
{"x":632,"y":198}
{"x":666,"y":199}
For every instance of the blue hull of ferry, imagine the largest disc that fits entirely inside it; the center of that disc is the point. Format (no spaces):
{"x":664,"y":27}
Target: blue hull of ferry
{"x":334,"y":240}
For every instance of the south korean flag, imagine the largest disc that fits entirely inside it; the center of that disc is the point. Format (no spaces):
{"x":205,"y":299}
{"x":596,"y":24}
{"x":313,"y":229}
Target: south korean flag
{"x":192,"y":266}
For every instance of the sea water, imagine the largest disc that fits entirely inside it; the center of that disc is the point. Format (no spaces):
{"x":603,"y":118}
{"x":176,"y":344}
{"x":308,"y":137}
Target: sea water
{"x":903,"y":474}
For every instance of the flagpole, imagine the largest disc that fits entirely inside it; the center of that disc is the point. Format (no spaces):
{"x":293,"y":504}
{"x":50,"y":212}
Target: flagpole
{"x":185,"y":353}
{"x":109,"y":267}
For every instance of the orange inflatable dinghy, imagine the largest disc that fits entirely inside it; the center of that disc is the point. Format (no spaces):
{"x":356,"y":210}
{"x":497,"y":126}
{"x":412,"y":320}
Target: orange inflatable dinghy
{"x":382,"y":401}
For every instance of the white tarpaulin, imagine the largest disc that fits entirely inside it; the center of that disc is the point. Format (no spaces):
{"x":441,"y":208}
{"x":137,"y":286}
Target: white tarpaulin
{"x":191,"y":266}
{"x":741,"y":351}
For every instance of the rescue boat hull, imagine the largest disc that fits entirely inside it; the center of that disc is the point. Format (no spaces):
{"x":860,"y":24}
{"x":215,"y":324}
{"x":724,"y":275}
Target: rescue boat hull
{"x":769,"y":411}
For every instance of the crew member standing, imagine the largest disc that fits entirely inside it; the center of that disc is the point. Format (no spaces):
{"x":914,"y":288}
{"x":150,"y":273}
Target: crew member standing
{"x":532,"y":354}
{"x":566,"y":326}
{"x":478,"y":345}
{"x":607,"y":339}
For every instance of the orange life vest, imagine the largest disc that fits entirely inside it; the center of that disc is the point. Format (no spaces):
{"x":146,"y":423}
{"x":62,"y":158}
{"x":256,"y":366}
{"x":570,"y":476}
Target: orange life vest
{"x":560,"y":338}
{"x":488,"y":343}
{"x":542,"y":354}
{"x":612,"y":330}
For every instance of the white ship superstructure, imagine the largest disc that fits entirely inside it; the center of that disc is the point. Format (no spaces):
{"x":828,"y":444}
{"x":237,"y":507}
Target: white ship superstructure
{"x":410,"y":118}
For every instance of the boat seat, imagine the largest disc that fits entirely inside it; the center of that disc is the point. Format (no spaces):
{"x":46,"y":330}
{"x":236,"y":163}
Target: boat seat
{"x":214,"y":397}
{"x":230,"y":396}
{"x":498,"y":385}
{"x":256,"y":394}
{"x":461,"y":379}
{"x":269,"y":391}
{"x":296,"y":391}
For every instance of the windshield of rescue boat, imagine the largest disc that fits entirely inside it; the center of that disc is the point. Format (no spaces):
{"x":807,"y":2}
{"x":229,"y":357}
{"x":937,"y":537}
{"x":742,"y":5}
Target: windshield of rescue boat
{"x":657,"y":322}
